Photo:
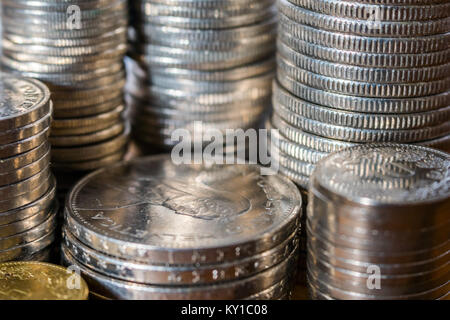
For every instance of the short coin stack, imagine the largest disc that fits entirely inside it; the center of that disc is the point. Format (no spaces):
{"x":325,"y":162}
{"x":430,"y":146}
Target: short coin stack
{"x":148,"y":229}
{"x":353,"y":72}
{"x":378,"y":224}
{"x":76,"y":47}
{"x":199,"y":61}
{"x":27,"y":187}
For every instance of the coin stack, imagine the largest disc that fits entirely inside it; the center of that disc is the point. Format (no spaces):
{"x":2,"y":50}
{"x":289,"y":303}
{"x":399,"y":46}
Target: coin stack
{"x":148,"y":229}
{"x":207,"y":62}
{"x":354,"y":72}
{"x":76,"y":47}
{"x":378,"y":224}
{"x":27,"y":187}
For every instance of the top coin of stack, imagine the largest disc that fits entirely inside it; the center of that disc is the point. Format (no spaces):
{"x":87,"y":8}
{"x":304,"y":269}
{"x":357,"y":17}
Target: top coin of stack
{"x":379,"y":223}
{"x":76,"y":47}
{"x":199,"y":61}
{"x":148,"y":229}
{"x":352,"y":72}
{"x":27,"y":187}
{"x":31,"y":280}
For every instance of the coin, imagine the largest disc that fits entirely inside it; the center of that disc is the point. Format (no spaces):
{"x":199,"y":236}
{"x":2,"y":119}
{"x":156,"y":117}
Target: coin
{"x":386,"y":214}
{"x":187,"y":248}
{"x":29,"y":281}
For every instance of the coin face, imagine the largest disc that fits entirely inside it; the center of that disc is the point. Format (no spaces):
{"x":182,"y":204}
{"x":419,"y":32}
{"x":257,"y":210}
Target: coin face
{"x":38,"y":281}
{"x":20,"y":96}
{"x":395,"y":174}
{"x":158,"y":205}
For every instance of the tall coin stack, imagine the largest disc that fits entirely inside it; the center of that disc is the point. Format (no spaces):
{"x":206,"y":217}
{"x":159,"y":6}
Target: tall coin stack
{"x":27,"y":187}
{"x":353,"y":72}
{"x":76,"y":47}
{"x":148,"y":229}
{"x":198,"y":65}
{"x":379,"y":224}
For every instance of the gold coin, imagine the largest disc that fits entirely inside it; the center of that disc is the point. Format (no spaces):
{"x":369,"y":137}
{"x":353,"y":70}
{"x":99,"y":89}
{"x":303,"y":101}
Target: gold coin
{"x":40,"y":281}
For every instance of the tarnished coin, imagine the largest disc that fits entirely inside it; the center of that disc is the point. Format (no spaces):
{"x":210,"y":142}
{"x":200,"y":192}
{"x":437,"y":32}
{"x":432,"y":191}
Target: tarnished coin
{"x":236,"y":224}
{"x":38,"y":281}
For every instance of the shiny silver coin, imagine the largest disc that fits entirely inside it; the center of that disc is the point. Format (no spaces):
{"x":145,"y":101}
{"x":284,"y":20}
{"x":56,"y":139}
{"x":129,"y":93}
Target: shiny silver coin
{"x":25,"y":132}
{"x":22,"y":226}
{"x":290,"y":61}
{"x":292,"y":108}
{"x":288,"y":43}
{"x":357,"y":43}
{"x":177,"y":275}
{"x":20,"y":174}
{"x":119,"y":289}
{"x":30,"y":235}
{"x":25,"y":158}
{"x":363,"y":89}
{"x":240,"y":73}
{"x":389,"y":12}
{"x":180,"y":245}
{"x":24,"y":200}
{"x":91,"y":151}
{"x":338,"y":293}
{"x":90,"y":165}
{"x":19,"y":188}
{"x":282,"y":289}
{"x":27,"y":250}
{"x":414,"y":165}
{"x":25,"y":211}
{"x":166,"y":34}
{"x":24,"y":101}
{"x":364,"y":27}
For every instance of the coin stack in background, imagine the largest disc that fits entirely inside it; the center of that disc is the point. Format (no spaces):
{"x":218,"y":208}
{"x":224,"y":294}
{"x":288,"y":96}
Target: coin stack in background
{"x":27,"y":187}
{"x":352,"y":72}
{"x":148,"y":229}
{"x":77,"y":48}
{"x":378,"y":224}
{"x":199,"y":61}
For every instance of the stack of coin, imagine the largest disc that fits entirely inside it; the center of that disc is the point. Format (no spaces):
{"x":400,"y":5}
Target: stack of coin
{"x":199,"y":61}
{"x":27,"y":187}
{"x":354,"y":72}
{"x":40,"y":281}
{"x":379,"y":223}
{"x":76,"y":47}
{"x":148,"y":229}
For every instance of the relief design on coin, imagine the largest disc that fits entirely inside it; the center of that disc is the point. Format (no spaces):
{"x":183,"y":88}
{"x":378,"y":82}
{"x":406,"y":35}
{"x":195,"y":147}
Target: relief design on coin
{"x":155,"y":202}
{"x":35,"y":280}
{"x":20,"y":96}
{"x":387,"y":173}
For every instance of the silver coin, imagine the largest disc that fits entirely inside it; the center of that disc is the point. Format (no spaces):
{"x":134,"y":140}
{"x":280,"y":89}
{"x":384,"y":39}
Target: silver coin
{"x":349,"y":42}
{"x":231,"y":240}
{"x":36,"y":128}
{"x":24,"y":101}
{"x":177,"y":275}
{"x":22,"y":226}
{"x":412,"y":164}
{"x":20,"y":174}
{"x":28,"y":236}
{"x":26,"y":251}
{"x":288,"y":43}
{"x":228,"y":290}
{"x":25,"y":211}
{"x":388,"y":12}
{"x":363,"y":27}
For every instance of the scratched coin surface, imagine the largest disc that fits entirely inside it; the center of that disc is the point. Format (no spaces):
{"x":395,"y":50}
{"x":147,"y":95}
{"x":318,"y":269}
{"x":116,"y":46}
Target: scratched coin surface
{"x":22,"y":101}
{"x":38,"y":281}
{"x":387,"y":173}
{"x":154,"y":211}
